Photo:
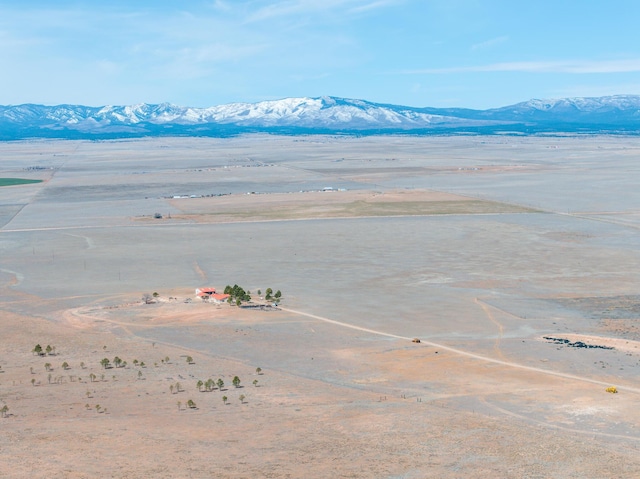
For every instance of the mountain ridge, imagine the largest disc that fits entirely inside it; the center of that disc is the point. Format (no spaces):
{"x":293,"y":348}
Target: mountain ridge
{"x":327,"y":114}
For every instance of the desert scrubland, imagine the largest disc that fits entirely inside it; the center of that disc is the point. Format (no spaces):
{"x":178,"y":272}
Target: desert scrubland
{"x":506,"y":256}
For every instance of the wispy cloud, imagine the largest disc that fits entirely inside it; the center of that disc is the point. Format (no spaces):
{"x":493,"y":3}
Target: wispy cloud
{"x":570,"y":66}
{"x":372,"y":6}
{"x":221,"y":5}
{"x":286,"y":8}
{"x":220,"y":52}
{"x":290,"y":7}
{"x":10,"y":40}
{"x":489,"y":43}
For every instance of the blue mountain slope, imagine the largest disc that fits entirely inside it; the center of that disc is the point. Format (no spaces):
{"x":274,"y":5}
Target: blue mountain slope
{"x":614,"y":114}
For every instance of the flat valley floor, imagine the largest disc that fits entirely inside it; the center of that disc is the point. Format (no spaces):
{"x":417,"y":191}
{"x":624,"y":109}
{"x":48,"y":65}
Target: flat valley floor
{"x":514,"y":260}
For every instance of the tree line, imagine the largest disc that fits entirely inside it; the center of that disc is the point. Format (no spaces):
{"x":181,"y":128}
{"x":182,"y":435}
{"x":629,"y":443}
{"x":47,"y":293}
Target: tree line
{"x":237,"y":294}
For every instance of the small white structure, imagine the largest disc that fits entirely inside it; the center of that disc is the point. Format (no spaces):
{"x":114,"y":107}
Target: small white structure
{"x":200,"y":292}
{"x":219,"y":298}
{"x":209,"y":294}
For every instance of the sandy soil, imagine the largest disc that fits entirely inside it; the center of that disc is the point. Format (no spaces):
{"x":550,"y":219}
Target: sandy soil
{"x":415,"y":247}
{"x":415,"y":411}
{"x":331,"y":204}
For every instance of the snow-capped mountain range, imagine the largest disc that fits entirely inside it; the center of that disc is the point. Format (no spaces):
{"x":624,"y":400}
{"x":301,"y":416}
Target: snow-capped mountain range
{"x":320,"y":115}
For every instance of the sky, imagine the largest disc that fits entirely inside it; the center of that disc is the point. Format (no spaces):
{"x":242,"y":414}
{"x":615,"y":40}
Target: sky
{"x":438,"y":53}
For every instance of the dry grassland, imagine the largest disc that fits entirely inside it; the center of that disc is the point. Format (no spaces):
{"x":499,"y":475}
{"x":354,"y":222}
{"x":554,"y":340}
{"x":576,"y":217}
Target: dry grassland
{"x":333,"y":204}
{"x":464,"y":243}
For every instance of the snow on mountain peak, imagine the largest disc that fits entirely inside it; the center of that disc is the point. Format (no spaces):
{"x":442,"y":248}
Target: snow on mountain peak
{"x":324,"y":113}
{"x":587,"y":103}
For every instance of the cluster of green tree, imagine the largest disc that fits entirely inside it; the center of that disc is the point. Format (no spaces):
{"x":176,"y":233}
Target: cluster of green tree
{"x":210,"y":384}
{"x":237,"y":294}
{"x":269,"y":295}
{"x":202,"y":386}
{"x":49,"y":350}
{"x":119,"y":363}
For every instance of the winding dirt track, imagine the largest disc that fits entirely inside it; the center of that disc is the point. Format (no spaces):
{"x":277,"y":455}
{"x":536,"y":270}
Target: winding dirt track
{"x":462,"y":352}
{"x":73,"y":317}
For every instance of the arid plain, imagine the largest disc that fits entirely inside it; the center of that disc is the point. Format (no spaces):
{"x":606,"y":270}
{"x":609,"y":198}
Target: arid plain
{"x":506,"y":256}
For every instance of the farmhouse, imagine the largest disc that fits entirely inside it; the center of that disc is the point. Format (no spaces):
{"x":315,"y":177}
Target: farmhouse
{"x":219,"y":298}
{"x":201,"y":292}
{"x":210,"y":294}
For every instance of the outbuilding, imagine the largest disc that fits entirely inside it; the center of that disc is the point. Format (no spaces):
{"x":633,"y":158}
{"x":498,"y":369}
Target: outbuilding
{"x":219,"y":298}
{"x":209,"y":294}
{"x":200,"y":292}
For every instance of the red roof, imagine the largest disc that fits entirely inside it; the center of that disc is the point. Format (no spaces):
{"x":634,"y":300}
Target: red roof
{"x":207,"y":290}
{"x":220,"y":297}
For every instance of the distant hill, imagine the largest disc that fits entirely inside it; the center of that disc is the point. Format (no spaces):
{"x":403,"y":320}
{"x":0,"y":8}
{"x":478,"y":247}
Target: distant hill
{"x":613,"y":114}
